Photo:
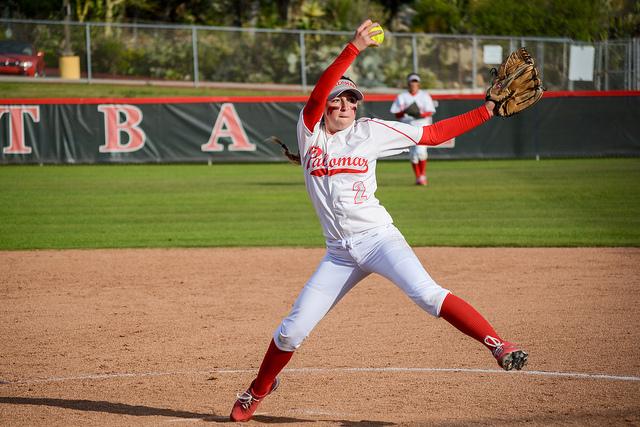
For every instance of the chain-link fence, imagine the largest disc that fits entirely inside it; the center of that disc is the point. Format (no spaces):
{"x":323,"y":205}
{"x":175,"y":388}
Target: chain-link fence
{"x":200,"y":55}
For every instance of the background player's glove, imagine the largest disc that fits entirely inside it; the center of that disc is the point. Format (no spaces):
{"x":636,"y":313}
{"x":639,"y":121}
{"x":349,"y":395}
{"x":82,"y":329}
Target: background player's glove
{"x":516,"y":85}
{"x":413,"y":110}
{"x":293,"y":158}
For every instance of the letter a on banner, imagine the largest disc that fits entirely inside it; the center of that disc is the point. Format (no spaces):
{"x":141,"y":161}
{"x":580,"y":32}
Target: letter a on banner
{"x":228,"y":125}
{"x":17,"y":144}
{"x":114,"y":128}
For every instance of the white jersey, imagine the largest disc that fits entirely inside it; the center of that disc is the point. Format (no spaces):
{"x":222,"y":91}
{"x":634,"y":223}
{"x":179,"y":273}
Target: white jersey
{"x":340,"y":171}
{"x":422,"y":100}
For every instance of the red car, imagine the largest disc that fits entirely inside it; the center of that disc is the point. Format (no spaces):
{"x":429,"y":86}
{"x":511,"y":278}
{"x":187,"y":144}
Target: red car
{"x":20,"y":58}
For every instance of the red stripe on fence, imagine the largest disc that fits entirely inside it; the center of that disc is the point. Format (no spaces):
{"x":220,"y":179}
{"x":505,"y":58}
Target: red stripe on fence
{"x":257,"y":99}
{"x":591,"y":93}
{"x":163,"y":100}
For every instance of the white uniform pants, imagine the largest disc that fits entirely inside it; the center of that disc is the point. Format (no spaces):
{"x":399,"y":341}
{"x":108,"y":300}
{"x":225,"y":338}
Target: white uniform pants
{"x":417,"y":153}
{"x":381,"y":250}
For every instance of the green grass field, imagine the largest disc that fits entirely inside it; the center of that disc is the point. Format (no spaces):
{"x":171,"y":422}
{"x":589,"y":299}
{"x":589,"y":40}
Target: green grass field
{"x":39,"y":89}
{"x":585,"y":202}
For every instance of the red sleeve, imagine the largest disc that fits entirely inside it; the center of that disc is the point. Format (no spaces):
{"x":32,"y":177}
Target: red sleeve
{"x":314,"y":108}
{"x":449,"y":128}
{"x":400,"y":115}
{"x":426,"y":114}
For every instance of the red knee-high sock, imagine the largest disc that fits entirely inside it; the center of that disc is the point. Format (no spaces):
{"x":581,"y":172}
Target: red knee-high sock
{"x":464,"y":317}
{"x":274,"y":361}
{"x":423,"y":167}
{"x":416,"y":169}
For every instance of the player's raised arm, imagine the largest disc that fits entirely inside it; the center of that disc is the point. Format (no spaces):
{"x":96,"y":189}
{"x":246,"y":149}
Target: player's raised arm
{"x":314,"y":108}
{"x":449,"y":128}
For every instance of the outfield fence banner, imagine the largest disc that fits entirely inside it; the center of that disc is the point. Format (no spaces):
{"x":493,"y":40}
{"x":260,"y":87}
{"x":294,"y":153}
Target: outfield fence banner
{"x":225,"y":129}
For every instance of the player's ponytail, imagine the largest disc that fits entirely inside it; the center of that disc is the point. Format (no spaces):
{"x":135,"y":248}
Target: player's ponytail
{"x":293,"y":158}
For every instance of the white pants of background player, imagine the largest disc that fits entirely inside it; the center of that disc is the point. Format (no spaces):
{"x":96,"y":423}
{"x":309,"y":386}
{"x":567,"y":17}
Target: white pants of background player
{"x":381,"y":250}
{"x":417,"y":153}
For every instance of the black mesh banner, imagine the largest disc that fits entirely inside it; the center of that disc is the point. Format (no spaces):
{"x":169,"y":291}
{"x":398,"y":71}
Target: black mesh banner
{"x":236,"y":129}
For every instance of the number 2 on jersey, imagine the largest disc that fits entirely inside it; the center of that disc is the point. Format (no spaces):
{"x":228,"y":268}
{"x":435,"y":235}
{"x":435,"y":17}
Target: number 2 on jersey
{"x":360,"y":190}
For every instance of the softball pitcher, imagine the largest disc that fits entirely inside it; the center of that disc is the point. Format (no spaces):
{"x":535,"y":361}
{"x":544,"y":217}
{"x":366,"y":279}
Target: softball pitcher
{"x":338,"y":155}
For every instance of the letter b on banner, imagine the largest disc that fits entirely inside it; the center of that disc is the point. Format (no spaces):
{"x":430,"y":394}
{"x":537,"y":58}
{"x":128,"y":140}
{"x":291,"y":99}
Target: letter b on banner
{"x":114,"y":128}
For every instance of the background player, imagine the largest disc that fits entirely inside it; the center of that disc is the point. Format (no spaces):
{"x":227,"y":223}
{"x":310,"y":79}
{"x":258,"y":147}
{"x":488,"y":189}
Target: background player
{"x":338,"y":156}
{"x":415,"y":106}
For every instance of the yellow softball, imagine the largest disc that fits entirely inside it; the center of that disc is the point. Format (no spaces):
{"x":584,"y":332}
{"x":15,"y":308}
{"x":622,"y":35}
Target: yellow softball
{"x":378,"y":38}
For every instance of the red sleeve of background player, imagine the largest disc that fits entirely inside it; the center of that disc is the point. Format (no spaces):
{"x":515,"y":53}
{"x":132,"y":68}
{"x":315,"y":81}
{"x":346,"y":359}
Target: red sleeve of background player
{"x":446,"y":129}
{"x":314,"y":108}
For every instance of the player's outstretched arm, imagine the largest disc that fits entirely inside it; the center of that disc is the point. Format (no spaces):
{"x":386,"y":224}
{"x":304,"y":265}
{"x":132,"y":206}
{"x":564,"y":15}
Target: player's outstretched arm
{"x":314,"y":108}
{"x":449,"y":128}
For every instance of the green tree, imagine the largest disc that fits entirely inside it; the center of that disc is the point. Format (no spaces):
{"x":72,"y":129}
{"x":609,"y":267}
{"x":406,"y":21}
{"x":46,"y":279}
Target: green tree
{"x":392,"y":9}
{"x":509,"y":18}
{"x":440,"y":16}
{"x":624,"y":19}
{"x":32,"y":9}
{"x":578,"y":19}
{"x":346,"y":15}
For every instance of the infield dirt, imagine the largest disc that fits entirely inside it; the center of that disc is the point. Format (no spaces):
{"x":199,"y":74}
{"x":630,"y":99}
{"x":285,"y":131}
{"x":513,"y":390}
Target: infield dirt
{"x":168,"y":337}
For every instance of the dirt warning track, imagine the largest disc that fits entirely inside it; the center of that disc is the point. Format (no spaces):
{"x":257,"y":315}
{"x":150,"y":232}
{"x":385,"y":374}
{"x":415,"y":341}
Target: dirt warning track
{"x":159,"y":336}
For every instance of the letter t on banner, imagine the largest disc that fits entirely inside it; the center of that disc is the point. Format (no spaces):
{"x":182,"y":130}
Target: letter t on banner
{"x":17,"y":143}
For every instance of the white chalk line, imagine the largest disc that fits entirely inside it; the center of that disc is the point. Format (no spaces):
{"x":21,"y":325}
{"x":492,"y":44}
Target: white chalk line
{"x":577,"y":375}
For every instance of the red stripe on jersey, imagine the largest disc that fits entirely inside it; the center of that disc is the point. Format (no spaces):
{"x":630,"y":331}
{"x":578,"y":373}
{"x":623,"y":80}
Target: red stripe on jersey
{"x":394,"y":129}
{"x":330,"y":172}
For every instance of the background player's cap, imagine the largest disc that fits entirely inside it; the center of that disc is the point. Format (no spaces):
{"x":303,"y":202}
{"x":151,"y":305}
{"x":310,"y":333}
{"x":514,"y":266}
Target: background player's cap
{"x":413,"y":77}
{"x":345,"y":84}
